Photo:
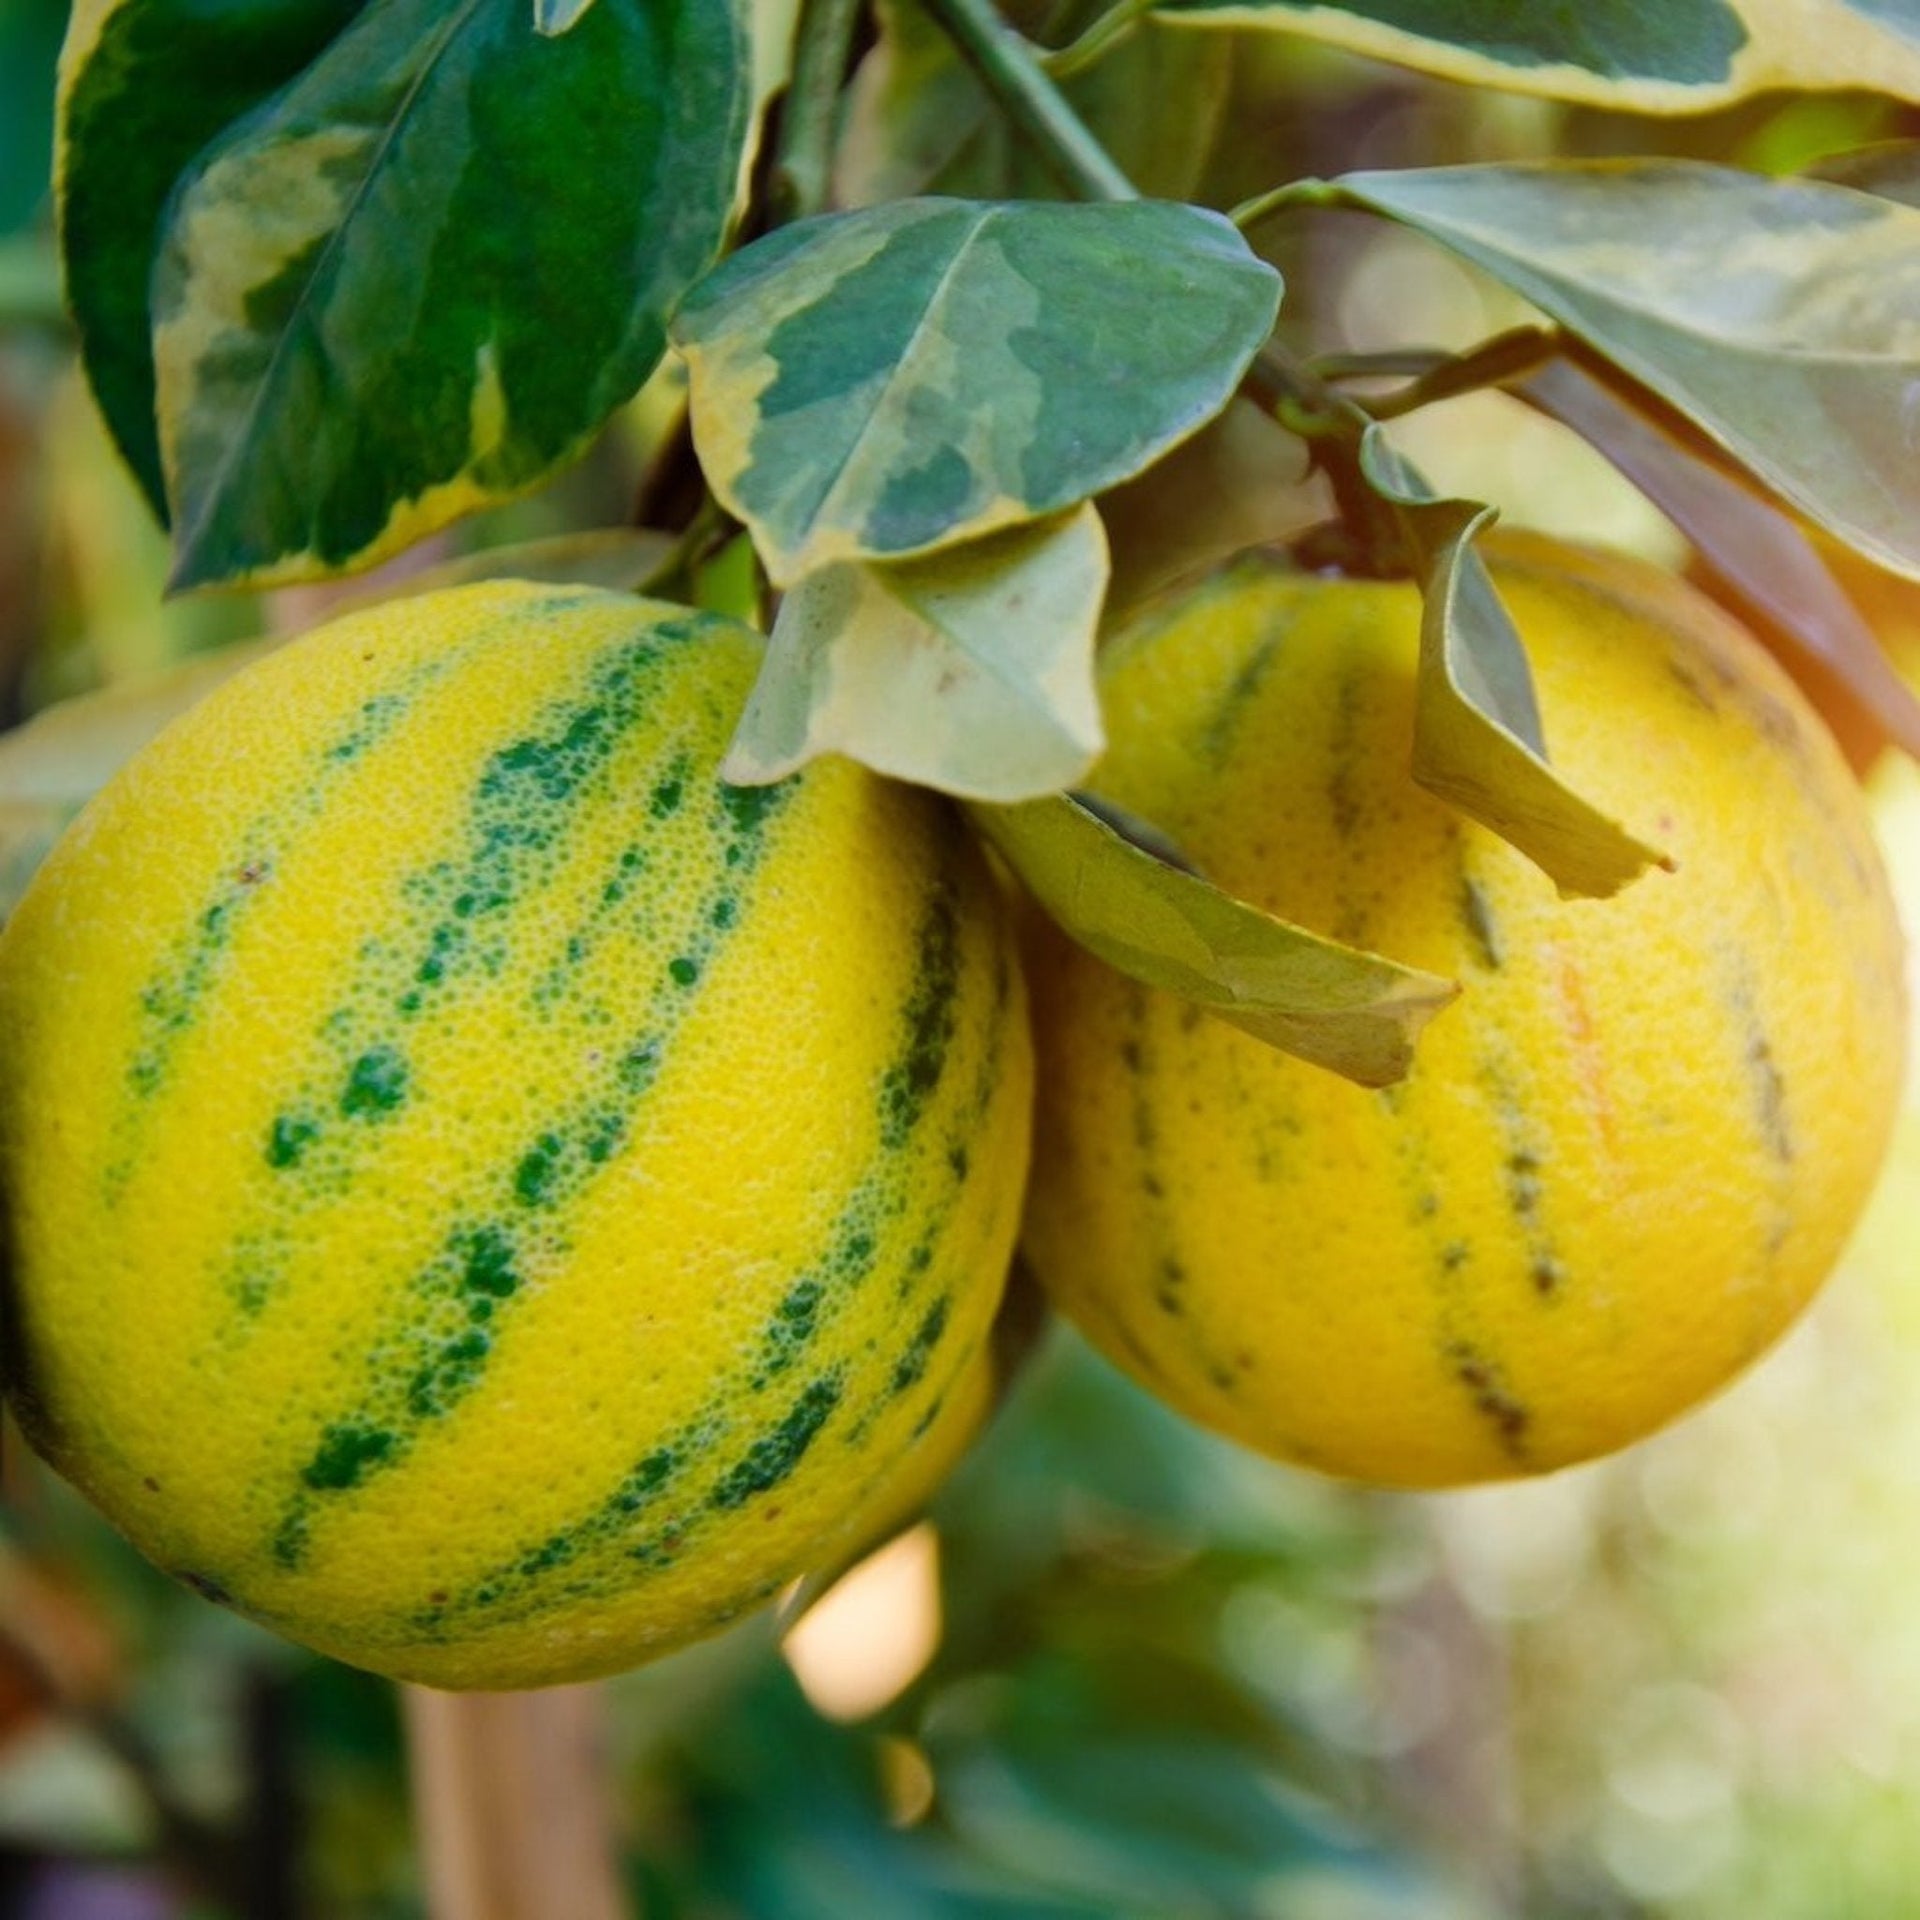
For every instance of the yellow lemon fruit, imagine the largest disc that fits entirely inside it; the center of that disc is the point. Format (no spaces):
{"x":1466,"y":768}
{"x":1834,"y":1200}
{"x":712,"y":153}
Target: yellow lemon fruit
{"x":1623,"y":1159}
{"x":487,"y":1198}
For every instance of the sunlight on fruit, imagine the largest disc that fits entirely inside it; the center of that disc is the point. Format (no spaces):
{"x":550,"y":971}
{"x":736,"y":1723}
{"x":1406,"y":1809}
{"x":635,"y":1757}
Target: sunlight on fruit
{"x":1707,"y":1644}
{"x":867,"y":1639}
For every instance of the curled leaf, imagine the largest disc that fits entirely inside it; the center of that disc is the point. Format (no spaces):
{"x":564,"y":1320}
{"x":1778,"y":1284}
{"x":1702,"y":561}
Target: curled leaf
{"x":970,"y":670}
{"x":1478,"y":741}
{"x":1354,"y":1012}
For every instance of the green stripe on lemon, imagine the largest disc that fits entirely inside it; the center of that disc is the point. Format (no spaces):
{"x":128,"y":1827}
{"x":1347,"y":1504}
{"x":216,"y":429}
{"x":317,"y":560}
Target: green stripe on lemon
{"x":518,"y":1267}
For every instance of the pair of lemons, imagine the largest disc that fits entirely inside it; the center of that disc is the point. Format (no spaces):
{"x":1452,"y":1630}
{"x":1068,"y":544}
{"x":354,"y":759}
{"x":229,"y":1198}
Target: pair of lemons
{"x":494,"y":1202}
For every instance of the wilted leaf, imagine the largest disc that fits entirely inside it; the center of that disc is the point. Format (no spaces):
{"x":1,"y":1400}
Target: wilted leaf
{"x":1758,"y":553}
{"x":144,"y":86}
{"x":1336,"y":1006}
{"x":1679,"y":56}
{"x":1477,"y":739}
{"x":428,"y":270}
{"x":1781,"y":316}
{"x":970,"y":671}
{"x":878,"y":384}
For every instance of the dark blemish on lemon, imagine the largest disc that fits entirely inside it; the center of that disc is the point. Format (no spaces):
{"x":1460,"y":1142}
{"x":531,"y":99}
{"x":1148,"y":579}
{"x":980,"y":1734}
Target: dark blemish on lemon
{"x":376,"y":1083}
{"x":1491,"y":1399}
{"x":288,"y":1138}
{"x":487,"y":1266}
{"x":539,"y":1167}
{"x":1476,"y":915}
{"x":683,"y":970}
{"x":912,"y":1364}
{"x":344,"y":1455}
{"x":909,"y":1082}
{"x":775,"y":1455}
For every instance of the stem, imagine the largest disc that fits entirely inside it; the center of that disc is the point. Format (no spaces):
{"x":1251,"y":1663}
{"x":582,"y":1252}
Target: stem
{"x":514,"y":1804}
{"x":1330,"y":420}
{"x":1113,"y":26}
{"x":1296,"y":193}
{"x":803,"y":168}
{"x":1010,"y":70}
{"x":1507,"y":356}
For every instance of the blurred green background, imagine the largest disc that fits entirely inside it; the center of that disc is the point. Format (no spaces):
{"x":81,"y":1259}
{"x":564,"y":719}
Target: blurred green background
{"x":1126,"y":1672}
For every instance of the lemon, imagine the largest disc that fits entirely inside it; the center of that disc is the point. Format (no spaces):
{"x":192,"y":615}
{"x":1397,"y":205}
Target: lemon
{"x":488,"y":1199}
{"x":1624,"y":1158}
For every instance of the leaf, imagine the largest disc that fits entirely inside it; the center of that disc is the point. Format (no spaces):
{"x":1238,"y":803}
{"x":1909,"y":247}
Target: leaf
{"x":1477,"y":737}
{"x":872,"y":385}
{"x":1758,"y":553}
{"x":427,"y":271}
{"x":1890,"y":168}
{"x":1240,"y":481}
{"x":1336,"y":1006}
{"x":911,"y":108}
{"x":1677,"y":56}
{"x":970,"y":671}
{"x":144,"y":86}
{"x":1782,"y":317}
{"x":555,"y":17}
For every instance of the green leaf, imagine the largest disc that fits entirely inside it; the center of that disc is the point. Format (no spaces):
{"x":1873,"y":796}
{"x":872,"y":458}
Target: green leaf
{"x":29,"y":49}
{"x":1758,"y":554}
{"x":1477,"y":738}
{"x":144,"y":86}
{"x":1676,"y":56}
{"x":1354,"y":1012}
{"x":970,"y":671}
{"x":872,"y":385}
{"x":1781,"y":316}
{"x":427,"y":271}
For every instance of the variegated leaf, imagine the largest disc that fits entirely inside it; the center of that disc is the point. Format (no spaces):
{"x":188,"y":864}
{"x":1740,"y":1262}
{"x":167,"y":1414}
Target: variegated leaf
{"x":1643,"y":56}
{"x":970,"y":671}
{"x":873,"y":385}
{"x":1781,"y":316}
{"x":428,"y":270}
{"x":1337,"y":1006}
{"x":1762,"y":560}
{"x":1478,"y":740}
{"x":144,"y":86}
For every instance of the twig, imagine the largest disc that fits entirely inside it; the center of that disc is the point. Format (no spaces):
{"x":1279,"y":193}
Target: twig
{"x":1010,"y":69}
{"x":803,"y":166}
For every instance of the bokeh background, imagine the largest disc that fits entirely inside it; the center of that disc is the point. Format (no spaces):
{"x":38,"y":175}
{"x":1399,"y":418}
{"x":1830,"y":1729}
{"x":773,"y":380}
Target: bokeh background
{"x":1124,"y":1671}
